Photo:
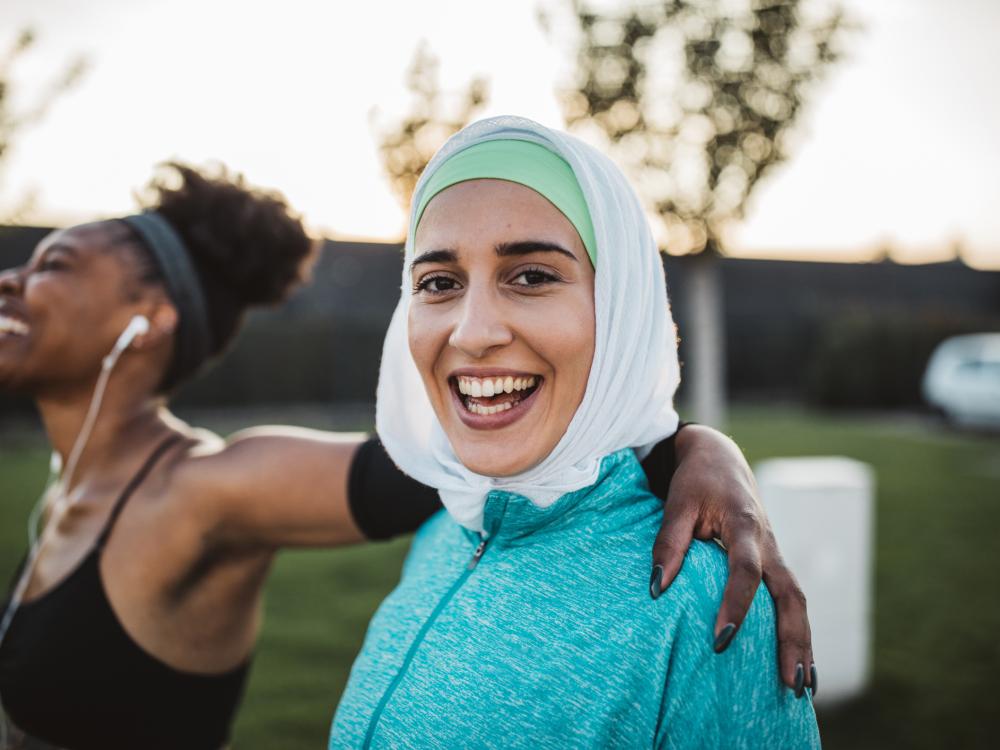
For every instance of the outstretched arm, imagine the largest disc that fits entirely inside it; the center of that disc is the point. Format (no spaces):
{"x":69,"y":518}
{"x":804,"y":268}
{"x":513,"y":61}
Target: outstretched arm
{"x":713,"y":495}
{"x":295,"y":487}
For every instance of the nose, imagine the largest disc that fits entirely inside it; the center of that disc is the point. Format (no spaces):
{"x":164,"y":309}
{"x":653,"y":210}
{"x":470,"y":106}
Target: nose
{"x":481,"y":327}
{"x":11,"y":281}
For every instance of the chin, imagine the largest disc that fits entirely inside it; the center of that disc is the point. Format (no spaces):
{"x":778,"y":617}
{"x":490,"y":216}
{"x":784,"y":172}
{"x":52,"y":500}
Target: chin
{"x":14,"y":385}
{"x":484,"y":461}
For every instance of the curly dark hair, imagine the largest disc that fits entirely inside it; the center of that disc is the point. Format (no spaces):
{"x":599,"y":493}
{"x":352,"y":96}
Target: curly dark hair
{"x":247,"y":246}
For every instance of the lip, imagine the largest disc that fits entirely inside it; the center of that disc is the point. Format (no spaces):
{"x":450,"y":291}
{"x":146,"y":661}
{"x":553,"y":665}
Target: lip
{"x":11,"y":310}
{"x":501,"y":419}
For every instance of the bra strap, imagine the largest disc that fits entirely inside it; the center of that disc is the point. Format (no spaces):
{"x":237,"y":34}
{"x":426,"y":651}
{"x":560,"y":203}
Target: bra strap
{"x":131,"y":487}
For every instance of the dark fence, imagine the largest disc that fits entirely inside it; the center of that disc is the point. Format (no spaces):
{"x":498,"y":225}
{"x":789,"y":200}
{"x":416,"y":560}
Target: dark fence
{"x":838,"y":334}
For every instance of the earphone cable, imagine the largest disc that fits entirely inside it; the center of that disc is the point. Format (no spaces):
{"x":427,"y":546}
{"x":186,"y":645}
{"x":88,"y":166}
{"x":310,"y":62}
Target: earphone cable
{"x":59,"y":484}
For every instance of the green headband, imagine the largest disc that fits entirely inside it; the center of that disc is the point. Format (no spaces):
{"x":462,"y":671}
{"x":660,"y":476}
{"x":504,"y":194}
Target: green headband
{"x":525,"y":163}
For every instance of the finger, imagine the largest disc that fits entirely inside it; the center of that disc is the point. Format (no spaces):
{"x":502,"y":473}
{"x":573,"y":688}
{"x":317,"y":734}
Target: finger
{"x":672,"y":542}
{"x":744,"y":579}
{"x":794,"y":637}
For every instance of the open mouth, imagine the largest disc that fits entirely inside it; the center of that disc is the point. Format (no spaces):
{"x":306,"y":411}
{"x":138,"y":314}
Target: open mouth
{"x":12,"y":326}
{"x":494,"y":395}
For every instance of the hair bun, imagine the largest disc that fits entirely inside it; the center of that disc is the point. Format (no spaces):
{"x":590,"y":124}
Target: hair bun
{"x":244,"y":241}
{"x":246,"y":245}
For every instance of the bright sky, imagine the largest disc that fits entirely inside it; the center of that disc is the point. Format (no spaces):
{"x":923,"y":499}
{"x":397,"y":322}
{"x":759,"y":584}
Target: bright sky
{"x":899,"y":150}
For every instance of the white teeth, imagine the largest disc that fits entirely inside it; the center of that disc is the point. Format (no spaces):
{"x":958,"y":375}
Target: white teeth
{"x":10,"y":325}
{"x":488,"y":410}
{"x":489,"y":387}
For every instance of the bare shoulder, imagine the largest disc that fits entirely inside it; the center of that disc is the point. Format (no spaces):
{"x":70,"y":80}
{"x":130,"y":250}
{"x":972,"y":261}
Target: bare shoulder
{"x":269,"y":486}
{"x":196,"y":478}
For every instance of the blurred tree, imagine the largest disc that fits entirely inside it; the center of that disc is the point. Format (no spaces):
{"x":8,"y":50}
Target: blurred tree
{"x":14,"y":121}
{"x":698,"y":99}
{"x":407,"y":145}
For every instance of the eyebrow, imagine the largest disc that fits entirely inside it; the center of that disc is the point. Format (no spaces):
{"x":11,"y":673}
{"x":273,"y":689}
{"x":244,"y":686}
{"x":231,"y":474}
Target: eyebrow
{"x":435,"y":256}
{"x":503,"y":250}
{"x":526,"y":247}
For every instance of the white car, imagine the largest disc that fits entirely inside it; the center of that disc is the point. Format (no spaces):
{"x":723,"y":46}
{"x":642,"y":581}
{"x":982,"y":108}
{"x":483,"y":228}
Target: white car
{"x":963,"y":380}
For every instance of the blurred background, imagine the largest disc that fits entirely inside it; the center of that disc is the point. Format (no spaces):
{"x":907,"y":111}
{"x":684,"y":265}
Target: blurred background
{"x":822,"y":177}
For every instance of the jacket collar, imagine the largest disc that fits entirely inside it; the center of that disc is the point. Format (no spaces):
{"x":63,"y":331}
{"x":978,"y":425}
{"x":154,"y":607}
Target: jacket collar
{"x":510,"y":517}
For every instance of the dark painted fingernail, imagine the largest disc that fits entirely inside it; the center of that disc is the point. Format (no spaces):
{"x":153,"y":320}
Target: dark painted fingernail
{"x":800,"y":680}
{"x":813,"y":678}
{"x":656,"y":582}
{"x":724,"y":638}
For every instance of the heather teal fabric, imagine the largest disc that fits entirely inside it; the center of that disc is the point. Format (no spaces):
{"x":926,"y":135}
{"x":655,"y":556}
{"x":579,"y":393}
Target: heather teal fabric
{"x":552,"y":640}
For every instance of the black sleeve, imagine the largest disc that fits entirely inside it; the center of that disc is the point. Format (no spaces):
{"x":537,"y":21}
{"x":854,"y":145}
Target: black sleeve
{"x":384,"y":501}
{"x":661,"y":463}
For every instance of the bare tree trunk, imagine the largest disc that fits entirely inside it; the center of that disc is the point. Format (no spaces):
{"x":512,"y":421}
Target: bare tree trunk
{"x":706,"y":337}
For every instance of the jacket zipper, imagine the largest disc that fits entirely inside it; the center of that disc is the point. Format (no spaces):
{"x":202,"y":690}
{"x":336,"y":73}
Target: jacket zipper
{"x":421,"y":634}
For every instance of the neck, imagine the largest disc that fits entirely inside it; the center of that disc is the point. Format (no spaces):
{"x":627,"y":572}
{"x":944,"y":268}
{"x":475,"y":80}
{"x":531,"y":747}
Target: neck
{"x":127,"y":416}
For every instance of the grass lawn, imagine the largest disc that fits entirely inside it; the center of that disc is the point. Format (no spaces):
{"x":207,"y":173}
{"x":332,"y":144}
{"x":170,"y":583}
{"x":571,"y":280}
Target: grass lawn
{"x":937,"y":606}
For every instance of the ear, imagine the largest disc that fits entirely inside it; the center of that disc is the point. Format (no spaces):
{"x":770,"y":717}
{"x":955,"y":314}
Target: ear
{"x":163,"y":320}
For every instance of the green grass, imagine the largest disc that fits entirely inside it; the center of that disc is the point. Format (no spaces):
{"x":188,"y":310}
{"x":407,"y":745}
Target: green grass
{"x":937,"y":608}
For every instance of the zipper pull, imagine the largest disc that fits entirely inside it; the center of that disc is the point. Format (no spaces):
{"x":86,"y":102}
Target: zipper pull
{"x":477,"y":555}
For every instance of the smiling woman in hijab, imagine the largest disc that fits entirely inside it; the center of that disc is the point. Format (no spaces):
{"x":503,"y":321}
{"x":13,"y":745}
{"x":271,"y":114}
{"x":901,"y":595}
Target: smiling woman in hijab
{"x":529,"y":366}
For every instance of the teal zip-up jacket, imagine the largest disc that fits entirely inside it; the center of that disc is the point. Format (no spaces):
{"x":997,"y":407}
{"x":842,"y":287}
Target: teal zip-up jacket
{"x":542,"y":634}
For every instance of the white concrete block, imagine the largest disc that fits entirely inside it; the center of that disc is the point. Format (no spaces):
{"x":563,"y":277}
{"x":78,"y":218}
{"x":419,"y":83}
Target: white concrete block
{"x":823,"y":513}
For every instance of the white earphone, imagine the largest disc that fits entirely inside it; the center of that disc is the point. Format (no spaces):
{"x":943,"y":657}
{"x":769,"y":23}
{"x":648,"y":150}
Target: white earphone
{"x":138,"y":326}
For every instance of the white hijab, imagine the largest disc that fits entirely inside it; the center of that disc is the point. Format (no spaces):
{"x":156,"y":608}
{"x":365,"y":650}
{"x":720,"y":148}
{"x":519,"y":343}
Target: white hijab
{"x":629,"y":397}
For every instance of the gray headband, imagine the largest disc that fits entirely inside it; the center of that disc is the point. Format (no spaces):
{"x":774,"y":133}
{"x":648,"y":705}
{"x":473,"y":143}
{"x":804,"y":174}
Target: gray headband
{"x":193,"y":339}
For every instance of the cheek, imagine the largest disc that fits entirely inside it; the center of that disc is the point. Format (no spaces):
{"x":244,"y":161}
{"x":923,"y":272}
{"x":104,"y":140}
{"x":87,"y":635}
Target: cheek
{"x":567,"y":339}
{"x":62,"y":300}
{"x":427,"y":336}
{"x":577,"y":349}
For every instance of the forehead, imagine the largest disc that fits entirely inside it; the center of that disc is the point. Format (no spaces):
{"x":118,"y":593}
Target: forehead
{"x":105,"y":245}
{"x":488,"y":211}
{"x":83,"y":240}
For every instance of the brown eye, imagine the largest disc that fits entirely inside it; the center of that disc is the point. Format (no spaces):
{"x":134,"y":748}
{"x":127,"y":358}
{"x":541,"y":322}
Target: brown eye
{"x":534,"y":277}
{"x":436,"y":285}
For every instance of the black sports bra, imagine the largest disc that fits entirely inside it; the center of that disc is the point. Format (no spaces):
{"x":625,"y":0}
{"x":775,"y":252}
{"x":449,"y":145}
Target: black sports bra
{"x":72,"y":677}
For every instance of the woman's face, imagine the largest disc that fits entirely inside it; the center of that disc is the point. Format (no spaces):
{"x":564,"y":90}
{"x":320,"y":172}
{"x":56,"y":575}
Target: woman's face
{"x":62,"y":312}
{"x":501,"y":322}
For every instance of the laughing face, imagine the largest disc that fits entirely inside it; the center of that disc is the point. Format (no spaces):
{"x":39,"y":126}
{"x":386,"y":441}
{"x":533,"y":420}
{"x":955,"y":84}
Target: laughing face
{"x":501,"y":322}
{"x":62,"y":311}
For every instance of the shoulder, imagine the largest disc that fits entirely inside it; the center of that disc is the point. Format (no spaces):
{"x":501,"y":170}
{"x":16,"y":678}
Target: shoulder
{"x":702,"y":577}
{"x":735,"y":698}
{"x":197,"y":468}
{"x":696,"y":596}
{"x":200,"y":475}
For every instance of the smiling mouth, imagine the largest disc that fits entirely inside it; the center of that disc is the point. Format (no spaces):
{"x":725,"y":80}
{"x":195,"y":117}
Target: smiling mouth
{"x":12,"y":326}
{"x":489,"y":396}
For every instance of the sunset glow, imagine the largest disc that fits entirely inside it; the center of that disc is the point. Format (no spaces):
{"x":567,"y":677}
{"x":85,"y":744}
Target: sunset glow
{"x":899,"y":151}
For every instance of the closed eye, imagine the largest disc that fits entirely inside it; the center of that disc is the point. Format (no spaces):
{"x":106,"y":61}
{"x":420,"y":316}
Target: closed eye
{"x":51,"y":264}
